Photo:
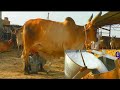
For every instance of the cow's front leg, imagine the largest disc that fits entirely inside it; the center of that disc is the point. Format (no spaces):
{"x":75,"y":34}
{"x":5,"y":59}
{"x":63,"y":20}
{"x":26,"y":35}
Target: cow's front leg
{"x":26,"y":67}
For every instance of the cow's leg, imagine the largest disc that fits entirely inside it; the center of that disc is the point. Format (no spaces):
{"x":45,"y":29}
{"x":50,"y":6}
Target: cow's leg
{"x":26,"y":65}
{"x":18,"y":50}
{"x":21,"y":48}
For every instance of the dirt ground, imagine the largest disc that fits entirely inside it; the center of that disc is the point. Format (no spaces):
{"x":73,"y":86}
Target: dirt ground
{"x":11,"y":67}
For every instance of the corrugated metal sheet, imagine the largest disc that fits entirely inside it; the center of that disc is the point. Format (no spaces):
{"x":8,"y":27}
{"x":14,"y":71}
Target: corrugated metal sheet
{"x":110,"y":18}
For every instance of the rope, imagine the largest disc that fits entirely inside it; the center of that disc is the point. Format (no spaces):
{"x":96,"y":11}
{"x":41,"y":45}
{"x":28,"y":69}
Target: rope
{"x":82,"y":58}
{"x":85,"y":37}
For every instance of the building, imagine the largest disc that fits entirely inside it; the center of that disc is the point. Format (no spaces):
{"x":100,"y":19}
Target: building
{"x":6,"y":28}
{"x":1,"y":25}
{"x":6,"y":21}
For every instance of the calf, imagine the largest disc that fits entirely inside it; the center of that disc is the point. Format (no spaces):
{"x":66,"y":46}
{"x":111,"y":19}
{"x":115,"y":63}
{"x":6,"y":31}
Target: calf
{"x":19,"y":39}
{"x":5,"y":45}
{"x":102,"y":45}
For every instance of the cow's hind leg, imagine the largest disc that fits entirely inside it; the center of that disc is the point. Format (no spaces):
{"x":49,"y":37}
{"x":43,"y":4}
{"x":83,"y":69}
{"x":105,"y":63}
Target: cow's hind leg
{"x":18,"y":51}
{"x":26,"y":65}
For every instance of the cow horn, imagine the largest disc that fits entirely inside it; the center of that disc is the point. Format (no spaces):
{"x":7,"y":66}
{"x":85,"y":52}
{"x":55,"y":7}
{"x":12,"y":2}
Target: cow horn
{"x":90,"y":18}
{"x":96,"y":18}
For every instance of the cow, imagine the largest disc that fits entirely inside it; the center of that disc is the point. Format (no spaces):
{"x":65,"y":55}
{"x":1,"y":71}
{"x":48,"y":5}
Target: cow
{"x":19,"y":40}
{"x":105,"y":42}
{"x":115,"y":43}
{"x":102,"y":44}
{"x":5,"y":45}
{"x":50,"y":38}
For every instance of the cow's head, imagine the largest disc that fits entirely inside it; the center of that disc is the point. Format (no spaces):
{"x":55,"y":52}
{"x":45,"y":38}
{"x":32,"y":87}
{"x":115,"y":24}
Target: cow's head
{"x":91,"y":29}
{"x":18,"y":31}
{"x":113,"y":38}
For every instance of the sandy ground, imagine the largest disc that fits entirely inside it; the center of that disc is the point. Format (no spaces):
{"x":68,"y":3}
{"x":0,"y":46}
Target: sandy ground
{"x":11,"y":67}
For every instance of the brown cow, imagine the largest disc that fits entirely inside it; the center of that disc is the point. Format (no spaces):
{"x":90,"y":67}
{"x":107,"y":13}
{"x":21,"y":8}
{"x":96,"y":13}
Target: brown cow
{"x":115,"y":43}
{"x":51,"y":38}
{"x":101,"y":43}
{"x":5,"y":45}
{"x":19,"y":39}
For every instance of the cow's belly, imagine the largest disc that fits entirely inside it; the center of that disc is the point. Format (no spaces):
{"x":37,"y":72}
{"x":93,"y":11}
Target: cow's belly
{"x":56,"y":46}
{"x":50,"y":49}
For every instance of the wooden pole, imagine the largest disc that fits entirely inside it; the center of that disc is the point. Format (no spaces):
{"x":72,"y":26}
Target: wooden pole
{"x":48,"y":16}
{"x":101,"y":33}
{"x":110,"y":31}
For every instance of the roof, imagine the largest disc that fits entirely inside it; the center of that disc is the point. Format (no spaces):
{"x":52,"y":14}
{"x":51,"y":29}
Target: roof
{"x":18,"y":26}
{"x":110,"y":18}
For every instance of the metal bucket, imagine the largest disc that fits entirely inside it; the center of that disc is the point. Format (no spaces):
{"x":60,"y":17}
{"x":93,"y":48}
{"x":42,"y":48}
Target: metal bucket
{"x":74,"y":68}
{"x":112,"y":70}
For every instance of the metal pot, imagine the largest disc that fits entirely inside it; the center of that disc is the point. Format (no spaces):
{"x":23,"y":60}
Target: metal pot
{"x":74,"y":66}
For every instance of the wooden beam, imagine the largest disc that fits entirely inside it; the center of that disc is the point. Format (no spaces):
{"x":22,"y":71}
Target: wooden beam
{"x":105,"y":29}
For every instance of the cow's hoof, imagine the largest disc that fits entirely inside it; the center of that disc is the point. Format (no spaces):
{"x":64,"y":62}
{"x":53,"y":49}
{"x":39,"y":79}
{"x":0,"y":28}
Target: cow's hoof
{"x":26,"y":73}
{"x":42,"y":70}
